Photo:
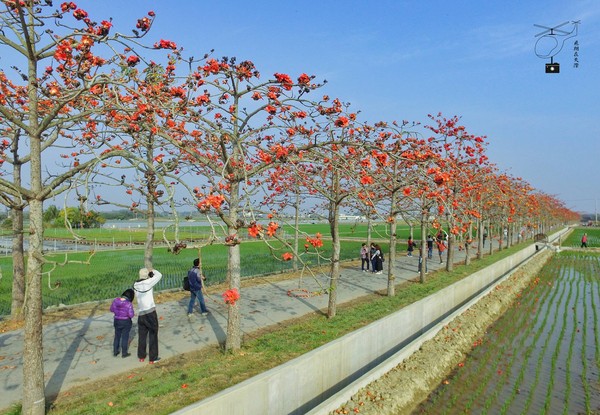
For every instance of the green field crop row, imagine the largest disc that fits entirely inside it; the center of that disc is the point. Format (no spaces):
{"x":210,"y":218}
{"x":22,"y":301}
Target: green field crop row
{"x":574,"y":239}
{"x":134,"y":234}
{"x":109,"y":273}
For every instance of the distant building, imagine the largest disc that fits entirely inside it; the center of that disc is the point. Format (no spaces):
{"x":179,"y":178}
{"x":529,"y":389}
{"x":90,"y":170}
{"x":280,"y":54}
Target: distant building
{"x":352,"y":217}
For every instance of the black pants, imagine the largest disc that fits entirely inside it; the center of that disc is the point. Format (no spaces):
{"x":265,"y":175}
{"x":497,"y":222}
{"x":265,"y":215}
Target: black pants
{"x":148,"y":329}
{"x":122,"y":329}
{"x":364,"y":261}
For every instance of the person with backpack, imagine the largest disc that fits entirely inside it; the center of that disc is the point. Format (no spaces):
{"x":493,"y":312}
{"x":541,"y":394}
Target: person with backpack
{"x":377,"y":260}
{"x":429,"y":247}
{"x":196,"y":281}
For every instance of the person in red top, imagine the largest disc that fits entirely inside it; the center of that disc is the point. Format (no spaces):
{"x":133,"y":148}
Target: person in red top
{"x":411,"y":246}
{"x":441,"y":246}
{"x":584,"y":241}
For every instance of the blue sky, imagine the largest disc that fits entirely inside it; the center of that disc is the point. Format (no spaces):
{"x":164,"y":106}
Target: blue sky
{"x":401,"y":60}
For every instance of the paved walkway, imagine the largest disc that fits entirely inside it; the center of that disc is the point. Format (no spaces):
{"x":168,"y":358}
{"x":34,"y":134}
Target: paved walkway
{"x":77,"y":351}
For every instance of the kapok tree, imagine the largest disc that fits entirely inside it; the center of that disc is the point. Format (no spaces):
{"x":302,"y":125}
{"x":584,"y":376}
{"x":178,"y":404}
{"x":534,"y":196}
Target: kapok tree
{"x":142,"y":115}
{"x":498,"y":208}
{"x":459,"y":151}
{"x":54,"y":99}
{"x":421,"y":192}
{"x":464,"y":207}
{"x":520,"y":190}
{"x":234,"y":130}
{"x":550,"y":211}
{"x":478,"y":199}
{"x":330,"y":167}
{"x":393,"y":171}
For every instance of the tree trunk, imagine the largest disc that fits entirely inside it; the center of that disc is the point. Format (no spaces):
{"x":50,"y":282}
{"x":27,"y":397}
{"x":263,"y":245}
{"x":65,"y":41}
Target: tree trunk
{"x":18,"y":258}
{"x":468,"y":245}
{"x":391,"y":280}
{"x":234,"y":328}
{"x":479,"y":239}
{"x":450,"y":253}
{"x":422,"y":252}
{"x":34,"y":401}
{"x":335,"y":259}
{"x":500,"y":238}
{"x":234,"y":331}
{"x":149,"y":243}
{"x":296,"y":230}
{"x":491,"y":237}
{"x":369,"y":231}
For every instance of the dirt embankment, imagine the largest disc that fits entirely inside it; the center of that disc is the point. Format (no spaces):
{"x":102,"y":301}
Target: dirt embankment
{"x":404,"y":387}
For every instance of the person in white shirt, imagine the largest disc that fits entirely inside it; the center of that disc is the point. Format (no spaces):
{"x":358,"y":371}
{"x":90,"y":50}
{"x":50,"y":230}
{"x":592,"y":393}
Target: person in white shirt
{"x":147,"y":317}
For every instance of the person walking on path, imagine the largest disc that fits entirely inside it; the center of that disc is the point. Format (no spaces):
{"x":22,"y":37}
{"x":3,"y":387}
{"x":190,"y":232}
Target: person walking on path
{"x":441,"y":246}
{"x":147,"y":317}
{"x":584,"y":239}
{"x":364,"y":258}
{"x":429,"y":247}
{"x":196,"y":282}
{"x":122,"y":307}
{"x":411,"y":246}
{"x":377,"y":260}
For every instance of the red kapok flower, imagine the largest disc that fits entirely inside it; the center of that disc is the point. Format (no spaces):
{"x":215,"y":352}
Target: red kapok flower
{"x":316,"y":242}
{"x":254,"y":230}
{"x":287,"y":256}
{"x":341,"y":122}
{"x":285,"y":80}
{"x":366,"y":180}
{"x":273,"y":226}
{"x":165,"y":44}
{"x":132,"y":60}
{"x":304,"y":79}
{"x":80,"y":14}
{"x":231,"y":296}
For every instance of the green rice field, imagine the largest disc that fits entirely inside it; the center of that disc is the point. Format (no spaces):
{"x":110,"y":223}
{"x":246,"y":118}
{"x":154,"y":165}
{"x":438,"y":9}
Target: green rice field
{"x":542,"y":356}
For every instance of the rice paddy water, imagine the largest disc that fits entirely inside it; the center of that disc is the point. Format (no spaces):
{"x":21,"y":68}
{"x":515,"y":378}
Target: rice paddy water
{"x":542,"y":356}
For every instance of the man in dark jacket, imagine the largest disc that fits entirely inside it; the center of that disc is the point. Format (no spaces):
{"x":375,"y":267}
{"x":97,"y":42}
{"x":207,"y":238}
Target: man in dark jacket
{"x":196,"y":280}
